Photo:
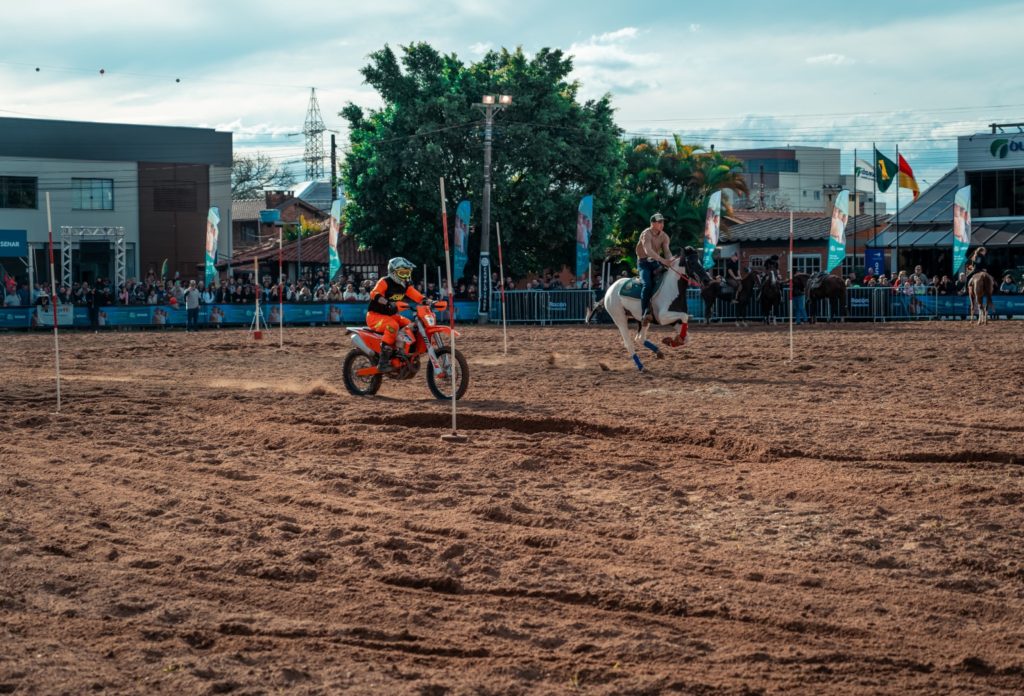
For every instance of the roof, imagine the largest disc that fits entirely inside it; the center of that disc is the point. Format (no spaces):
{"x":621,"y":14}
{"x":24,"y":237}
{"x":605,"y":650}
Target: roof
{"x":737,"y":217}
{"x":317,"y":193}
{"x":243,"y":211}
{"x":806,"y":227}
{"x":249,"y":209}
{"x":928,"y":222}
{"x":313,"y":250}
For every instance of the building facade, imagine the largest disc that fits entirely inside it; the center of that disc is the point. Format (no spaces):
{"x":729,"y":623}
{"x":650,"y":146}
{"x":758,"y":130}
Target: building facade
{"x":801,"y":179}
{"x":150,"y":185}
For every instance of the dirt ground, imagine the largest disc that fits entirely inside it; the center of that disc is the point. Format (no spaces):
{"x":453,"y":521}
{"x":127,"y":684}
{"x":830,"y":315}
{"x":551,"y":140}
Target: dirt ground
{"x":212,"y":515}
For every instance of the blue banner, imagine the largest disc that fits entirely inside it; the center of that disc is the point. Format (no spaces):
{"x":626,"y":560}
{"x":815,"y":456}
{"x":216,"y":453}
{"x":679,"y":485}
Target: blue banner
{"x":961,"y":227}
{"x":712,"y":223}
{"x":461,"y":245}
{"x":13,"y":243}
{"x":584,"y":226}
{"x":837,"y":231}
{"x":875,"y":260}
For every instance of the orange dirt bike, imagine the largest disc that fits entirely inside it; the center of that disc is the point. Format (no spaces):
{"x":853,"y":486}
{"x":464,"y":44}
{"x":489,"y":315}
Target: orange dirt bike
{"x":423,"y":337}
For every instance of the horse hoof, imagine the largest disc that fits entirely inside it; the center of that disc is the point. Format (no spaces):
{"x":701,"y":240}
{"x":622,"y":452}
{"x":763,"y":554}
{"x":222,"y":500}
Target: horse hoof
{"x":659,"y":355}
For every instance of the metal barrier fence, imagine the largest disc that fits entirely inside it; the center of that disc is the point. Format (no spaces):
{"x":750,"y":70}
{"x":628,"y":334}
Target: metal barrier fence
{"x":861,"y":304}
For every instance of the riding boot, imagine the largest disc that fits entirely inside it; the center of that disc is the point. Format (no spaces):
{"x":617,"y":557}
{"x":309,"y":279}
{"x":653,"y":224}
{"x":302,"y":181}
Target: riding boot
{"x":384,"y":362}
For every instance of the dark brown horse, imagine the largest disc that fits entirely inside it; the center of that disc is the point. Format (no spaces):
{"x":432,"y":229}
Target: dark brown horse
{"x":821,"y":286}
{"x":980,"y":289}
{"x":770,"y":295}
{"x":743,"y":291}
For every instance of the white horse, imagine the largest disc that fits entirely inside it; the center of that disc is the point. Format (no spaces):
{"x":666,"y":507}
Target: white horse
{"x":668,"y":304}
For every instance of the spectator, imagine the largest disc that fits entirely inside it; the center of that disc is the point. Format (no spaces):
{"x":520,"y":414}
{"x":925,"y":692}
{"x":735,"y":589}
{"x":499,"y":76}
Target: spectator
{"x":303,"y":294}
{"x":209,"y":296}
{"x":961,"y":284}
{"x":350,"y":294}
{"x":919,"y":274}
{"x":335,"y":294}
{"x":947,"y":286}
{"x":12,"y":300}
{"x":1008,"y":286}
{"x":192,"y":297}
{"x":364,"y":294}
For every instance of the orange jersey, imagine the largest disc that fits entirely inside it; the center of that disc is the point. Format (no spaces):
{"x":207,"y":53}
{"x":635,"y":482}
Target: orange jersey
{"x":387,"y":292}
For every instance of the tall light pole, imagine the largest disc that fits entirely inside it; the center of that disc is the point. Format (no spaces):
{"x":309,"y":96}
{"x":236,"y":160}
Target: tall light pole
{"x":489,"y":107}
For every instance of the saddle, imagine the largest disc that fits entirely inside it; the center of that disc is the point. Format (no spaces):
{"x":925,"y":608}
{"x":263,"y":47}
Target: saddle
{"x":815,"y":280}
{"x":634,"y":286}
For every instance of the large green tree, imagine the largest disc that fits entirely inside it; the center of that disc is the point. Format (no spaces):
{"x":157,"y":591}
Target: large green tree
{"x":549,"y":150}
{"x":673,"y":178}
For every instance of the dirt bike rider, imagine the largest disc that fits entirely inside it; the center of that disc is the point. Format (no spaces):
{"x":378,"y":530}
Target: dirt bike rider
{"x":383,"y":313}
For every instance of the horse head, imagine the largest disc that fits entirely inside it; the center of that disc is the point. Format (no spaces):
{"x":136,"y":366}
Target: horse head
{"x":692,"y":266}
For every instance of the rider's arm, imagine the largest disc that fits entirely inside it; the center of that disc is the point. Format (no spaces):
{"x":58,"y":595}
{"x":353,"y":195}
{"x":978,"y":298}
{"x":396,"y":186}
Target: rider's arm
{"x":649,"y":251}
{"x":414,"y":294}
{"x":378,"y":300}
{"x":667,"y":249}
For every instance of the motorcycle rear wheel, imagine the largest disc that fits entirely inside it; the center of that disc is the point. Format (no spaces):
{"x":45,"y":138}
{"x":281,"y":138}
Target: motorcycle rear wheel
{"x":442,"y":388}
{"x":357,"y":385}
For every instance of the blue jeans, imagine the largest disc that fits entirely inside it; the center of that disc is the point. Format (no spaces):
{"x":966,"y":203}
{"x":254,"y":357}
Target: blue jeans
{"x":647,"y":268}
{"x":799,"y":309}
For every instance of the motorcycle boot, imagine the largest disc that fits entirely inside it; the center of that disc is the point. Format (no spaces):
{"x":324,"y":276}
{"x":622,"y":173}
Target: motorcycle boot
{"x":384,"y":362}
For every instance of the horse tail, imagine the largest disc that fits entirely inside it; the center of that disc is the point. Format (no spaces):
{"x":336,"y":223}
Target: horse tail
{"x":594,"y":309}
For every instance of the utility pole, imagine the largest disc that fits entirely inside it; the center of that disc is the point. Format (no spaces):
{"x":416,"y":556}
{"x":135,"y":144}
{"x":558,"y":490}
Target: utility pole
{"x":334,"y":169}
{"x":489,"y":107}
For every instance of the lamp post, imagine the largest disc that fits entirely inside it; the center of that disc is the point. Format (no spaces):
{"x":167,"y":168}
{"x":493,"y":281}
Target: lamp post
{"x":489,"y":105}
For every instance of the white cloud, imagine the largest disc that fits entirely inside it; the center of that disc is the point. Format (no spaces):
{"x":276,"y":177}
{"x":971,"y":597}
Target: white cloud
{"x":694,"y":28}
{"x":480,"y":48}
{"x":615,"y":36}
{"x":831,"y":59}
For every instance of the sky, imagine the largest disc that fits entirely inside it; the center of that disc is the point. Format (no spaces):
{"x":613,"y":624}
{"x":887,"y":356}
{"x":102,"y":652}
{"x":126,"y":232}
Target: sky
{"x":737,"y":74}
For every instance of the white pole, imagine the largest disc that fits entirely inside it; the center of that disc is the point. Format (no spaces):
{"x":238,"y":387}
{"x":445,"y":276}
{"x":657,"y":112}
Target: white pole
{"x":501,"y":279}
{"x":791,"y":286}
{"x":53,"y":297}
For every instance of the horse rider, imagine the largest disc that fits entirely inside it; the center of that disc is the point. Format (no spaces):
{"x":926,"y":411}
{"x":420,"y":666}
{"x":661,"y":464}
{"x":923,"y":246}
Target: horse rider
{"x":652,"y":250}
{"x":979,"y":263}
{"x":732,"y":275}
{"x":383,"y":313}
{"x":771,"y":265}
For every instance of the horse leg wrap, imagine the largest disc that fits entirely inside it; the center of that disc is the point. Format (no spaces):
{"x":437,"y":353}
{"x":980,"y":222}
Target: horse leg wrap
{"x":651,"y":347}
{"x":639,"y":365}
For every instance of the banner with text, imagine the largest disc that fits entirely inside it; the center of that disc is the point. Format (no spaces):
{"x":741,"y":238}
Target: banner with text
{"x":584,"y":226}
{"x":837,"y":231}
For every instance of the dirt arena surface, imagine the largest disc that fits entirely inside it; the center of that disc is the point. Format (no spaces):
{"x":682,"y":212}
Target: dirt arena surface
{"x":213,"y":515}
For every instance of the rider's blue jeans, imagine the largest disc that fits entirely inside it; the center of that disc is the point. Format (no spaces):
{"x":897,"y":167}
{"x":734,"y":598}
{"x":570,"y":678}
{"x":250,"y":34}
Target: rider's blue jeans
{"x":647,"y":268}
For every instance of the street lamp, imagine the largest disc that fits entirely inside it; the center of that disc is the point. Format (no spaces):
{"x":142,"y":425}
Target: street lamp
{"x":489,"y":107}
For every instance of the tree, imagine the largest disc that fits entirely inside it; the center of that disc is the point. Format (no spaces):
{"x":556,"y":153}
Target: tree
{"x":675,"y":179}
{"x":549,"y":150}
{"x":250,"y":175}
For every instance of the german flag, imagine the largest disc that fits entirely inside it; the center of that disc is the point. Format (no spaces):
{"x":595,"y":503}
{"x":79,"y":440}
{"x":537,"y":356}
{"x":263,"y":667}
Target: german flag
{"x":907,"y":179}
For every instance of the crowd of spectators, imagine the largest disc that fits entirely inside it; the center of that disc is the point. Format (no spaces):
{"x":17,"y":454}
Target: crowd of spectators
{"x":919,"y":283}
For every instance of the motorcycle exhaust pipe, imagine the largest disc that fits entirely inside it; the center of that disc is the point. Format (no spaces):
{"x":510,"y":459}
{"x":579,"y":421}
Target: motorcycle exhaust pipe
{"x":361,"y":346}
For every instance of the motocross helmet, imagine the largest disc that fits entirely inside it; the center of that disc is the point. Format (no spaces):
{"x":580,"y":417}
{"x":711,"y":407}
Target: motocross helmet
{"x":400,"y":270}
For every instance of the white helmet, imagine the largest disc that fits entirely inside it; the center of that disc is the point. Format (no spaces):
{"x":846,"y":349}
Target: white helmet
{"x":400,"y":270}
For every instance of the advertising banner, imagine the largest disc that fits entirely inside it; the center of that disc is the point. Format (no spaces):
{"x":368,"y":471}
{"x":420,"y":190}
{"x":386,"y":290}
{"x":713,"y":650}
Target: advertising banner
{"x":65,"y":315}
{"x":14,"y":243}
{"x":584,"y":226}
{"x":712,"y":222}
{"x":837,"y":231}
{"x":875,"y":260}
{"x":461,"y":250}
{"x":961,"y":227}
{"x":212,"y":233}
{"x":334,"y":261}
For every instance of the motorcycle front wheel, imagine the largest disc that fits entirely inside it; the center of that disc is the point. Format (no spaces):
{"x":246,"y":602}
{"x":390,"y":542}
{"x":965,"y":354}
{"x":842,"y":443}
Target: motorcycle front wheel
{"x":358,"y":385}
{"x":441,"y":387}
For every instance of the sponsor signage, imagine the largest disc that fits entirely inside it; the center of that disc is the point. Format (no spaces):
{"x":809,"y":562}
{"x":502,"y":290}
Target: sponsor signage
{"x":13,"y":243}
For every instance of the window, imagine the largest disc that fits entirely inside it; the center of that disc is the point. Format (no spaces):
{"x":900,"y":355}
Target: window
{"x":817,"y":195}
{"x":998,"y":193}
{"x":806,"y":263}
{"x":92,"y":194}
{"x":175,"y":197}
{"x":19,"y":192}
{"x":851,"y":264}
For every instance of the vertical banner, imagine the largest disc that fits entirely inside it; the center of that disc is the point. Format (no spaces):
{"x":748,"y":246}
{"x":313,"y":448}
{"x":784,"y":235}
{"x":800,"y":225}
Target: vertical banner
{"x":212,"y":232}
{"x":885,"y":171}
{"x":584,"y":226}
{"x":961,"y":227}
{"x":334,"y":261}
{"x":461,"y":250}
{"x":712,"y":220}
{"x":837,"y":231}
